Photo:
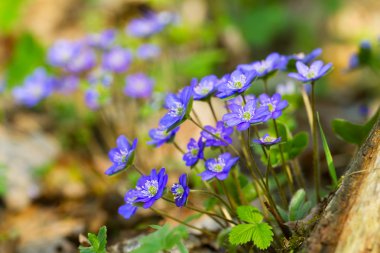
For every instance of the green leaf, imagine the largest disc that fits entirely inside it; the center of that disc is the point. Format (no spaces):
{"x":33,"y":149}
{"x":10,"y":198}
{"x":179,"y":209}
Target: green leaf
{"x":241,"y":234}
{"x":298,"y":206}
{"x":329,"y":159}
{"x":98,"y":243}
{"x":27,"y":56}
{"x":298,"y":144}
{"x":249,"y":214}
{"x":10,"y":11}
{"x":262,"y":235}
{"x":353,"y":133}
{"x":259,"y":233}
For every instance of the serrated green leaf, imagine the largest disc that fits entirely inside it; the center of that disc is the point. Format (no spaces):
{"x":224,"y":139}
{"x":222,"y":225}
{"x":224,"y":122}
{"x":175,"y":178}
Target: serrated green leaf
{"x":262,"y":235}
{"x":241,"y":234}
{"x":249,"y":214}
{"x":329,"y":159}
{"x":102,"y":238}
{"x":93,"y":240}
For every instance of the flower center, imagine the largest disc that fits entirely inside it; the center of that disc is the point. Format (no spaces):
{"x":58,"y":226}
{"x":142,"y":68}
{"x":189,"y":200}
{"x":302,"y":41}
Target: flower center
{"x":176,"y":110}
{"x":247,"y":116}
{"x":311,"y":74}
{"x":150,"y":188}
{"x":218,"y":166}
{"x":271,"y":107}
{"x":177,"y":191}
{"x":268,"y":139}
{"x":194,"y":151}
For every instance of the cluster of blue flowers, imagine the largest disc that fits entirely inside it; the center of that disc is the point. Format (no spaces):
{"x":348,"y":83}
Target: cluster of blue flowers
{"x":243,"y":111}
{"x":95,"y":60}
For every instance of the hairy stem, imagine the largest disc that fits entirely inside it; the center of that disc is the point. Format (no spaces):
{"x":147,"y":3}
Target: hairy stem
{"x":315,"y":145}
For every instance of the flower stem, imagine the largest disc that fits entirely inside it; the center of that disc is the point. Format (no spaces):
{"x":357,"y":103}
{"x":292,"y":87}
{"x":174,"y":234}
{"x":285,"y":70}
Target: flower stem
{"x":196,"y":117}
{"x":214,"y":195}
{"x":266,"y":86}
{"x":315,"y":145}
{"x":284,"y":165}
{"x":178,"y":147}
{"x":164,"y":214}
{"x":280,"y":190}
{"x":212,"y":110}
{"x":226,"y":192}
{"x":137,"y":169}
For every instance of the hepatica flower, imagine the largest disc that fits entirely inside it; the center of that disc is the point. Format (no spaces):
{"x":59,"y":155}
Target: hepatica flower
{"x":36,"y":87}
{"x":66,"y":84}
{"x":103,"y":40}
{"x":275,"y":104}
{"x":243,"y":116}
{"x":267,"y":140}
{"x":92,"y":99}
{"x":117,"y":60}
{"x":306,"y":58}
{"x":160,"y":136}
{"x":138,"y":86}
{"x":264,"y":67}
{"x":219,"y":167}
{"x":219,"y":133}
{"x":129,"y":208}
{"x":150,"y":188}
{"x":205,"y":87}
{"x":145,"y":26}
{"x":148,"y":51}
{"x":235,"y":84}
{"x":62,"y":51}
{"x":239,"y":100}
{"x":179,"y":107}
{"x":180,"y":191}
{"x":84,"y":60}
{"x":194,"y":152}
{"x":312,"y":73}
{"x":122,"y":156}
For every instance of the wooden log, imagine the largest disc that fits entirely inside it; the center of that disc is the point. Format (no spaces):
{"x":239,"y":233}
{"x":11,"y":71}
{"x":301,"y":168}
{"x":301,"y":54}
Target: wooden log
{"x":351,"y":220}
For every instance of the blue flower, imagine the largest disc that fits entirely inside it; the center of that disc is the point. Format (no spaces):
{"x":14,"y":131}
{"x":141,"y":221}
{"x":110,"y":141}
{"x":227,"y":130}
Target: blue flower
{"x":138,"y":86}
{"x":92,"y":99}
{"x":244,"y":116}
{"x":267,"y":140}
{"x":150,"y":188}
{"x":306,"y":58}
{"x":195,"y":152}
{"x":129,"y":208}
{"x":117,"y":60}
{"x":179,"y":107}
{"x":122,"y":156}
{"x":275,"y":104}
{"x":148,"y":51}
{"x":264,"y":67}
{"x":219,"y":167}
{"x":66,"y":84}
{"x":84,"y":60}
{"x":203,"y":89}
{"x":312,"y":73}
{"x":180,"y":191}
{"x":220,"y":131}
{"x":61,"y":52}
{"x":103,"y":40}
{"x":145,"y":26}
{"x":235,"y":84}
{"x":36,"y":87}
{"x":160,"y":136}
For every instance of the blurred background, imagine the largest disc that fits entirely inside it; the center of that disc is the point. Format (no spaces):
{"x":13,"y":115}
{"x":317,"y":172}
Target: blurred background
{"x":53,"y":155}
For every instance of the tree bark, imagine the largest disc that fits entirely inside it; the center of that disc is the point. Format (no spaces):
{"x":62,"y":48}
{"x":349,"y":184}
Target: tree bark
{"x":351,"y":220}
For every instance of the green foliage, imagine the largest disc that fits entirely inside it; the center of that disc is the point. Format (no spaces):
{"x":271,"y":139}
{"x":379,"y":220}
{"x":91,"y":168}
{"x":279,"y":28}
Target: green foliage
{"x":98,"y":242}
{"x":329,"y":159}
{"x":27,"y":56}
{"x":299,"y":207}
{"x":10,"y":11}
{"x":3,"y":181}
{"x":256,"y":231}
{"x":353,"y":133}
{"x":163,"y":239}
